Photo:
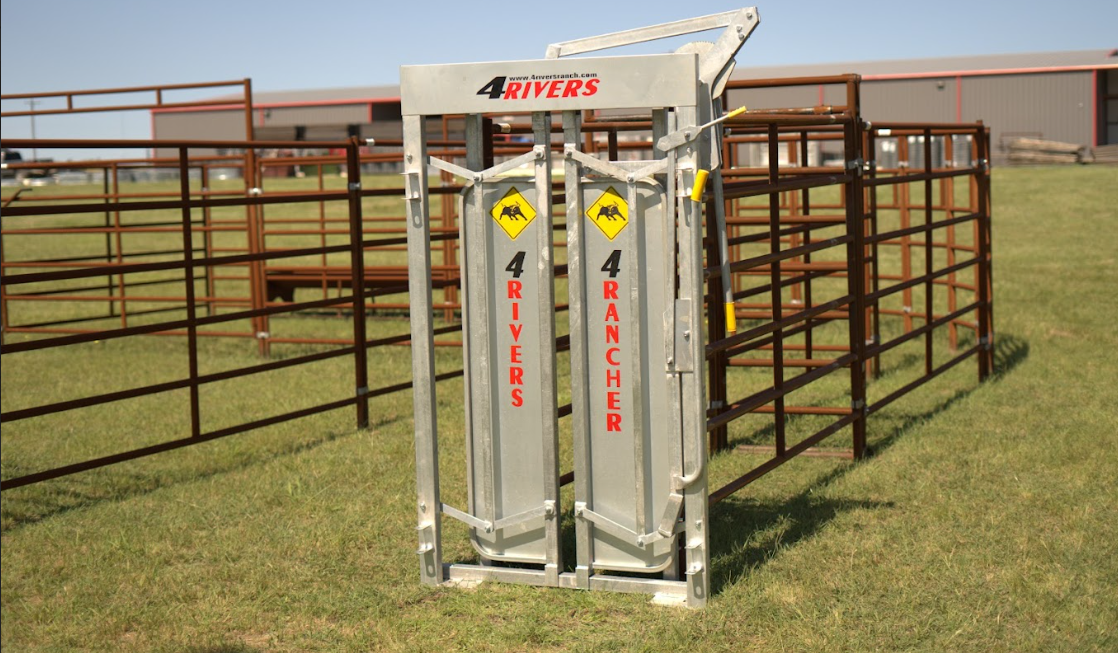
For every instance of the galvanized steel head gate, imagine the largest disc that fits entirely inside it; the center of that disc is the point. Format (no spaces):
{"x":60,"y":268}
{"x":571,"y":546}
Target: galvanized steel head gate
{"x":635,"y":280}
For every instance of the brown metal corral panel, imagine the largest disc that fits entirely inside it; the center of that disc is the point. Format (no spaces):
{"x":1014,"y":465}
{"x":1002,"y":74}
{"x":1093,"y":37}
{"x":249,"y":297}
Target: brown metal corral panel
{"x":1053,"y":106}
{"x":341,"y":114}
{"x":916,"y":100}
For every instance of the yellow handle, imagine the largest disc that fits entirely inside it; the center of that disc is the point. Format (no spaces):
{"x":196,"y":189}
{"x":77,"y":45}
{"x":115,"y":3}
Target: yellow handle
{"x":735,"y":112}
{"x":700,"y":184}
{"x":731,"y":318}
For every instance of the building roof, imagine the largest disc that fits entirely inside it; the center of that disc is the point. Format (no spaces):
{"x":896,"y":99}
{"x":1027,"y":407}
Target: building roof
{"x":325,"y":95}
{"x":893,"y":69}
{"x":946,"y":66}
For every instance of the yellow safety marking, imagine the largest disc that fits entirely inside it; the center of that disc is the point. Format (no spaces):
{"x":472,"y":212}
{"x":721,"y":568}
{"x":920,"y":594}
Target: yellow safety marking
{"x":731,"y":318}
{"x":610,"y":213}
{"x":513,"y":213}
{"x":700,"y":184}
{"x":735,"y":112}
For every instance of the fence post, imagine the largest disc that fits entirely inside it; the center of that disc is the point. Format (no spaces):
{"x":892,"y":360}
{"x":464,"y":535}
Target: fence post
{"x":986,"y":276}
{"x":357,"y":277}
{"x":855,"y":271}
{"x":188,"y":279}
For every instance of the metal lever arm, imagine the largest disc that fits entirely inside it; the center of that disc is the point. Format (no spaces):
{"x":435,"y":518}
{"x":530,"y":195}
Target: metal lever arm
{"x":741,"y":20}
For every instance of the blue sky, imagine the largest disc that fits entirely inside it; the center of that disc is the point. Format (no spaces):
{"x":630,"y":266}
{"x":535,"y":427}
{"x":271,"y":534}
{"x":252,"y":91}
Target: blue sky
{"x":69,"y":45}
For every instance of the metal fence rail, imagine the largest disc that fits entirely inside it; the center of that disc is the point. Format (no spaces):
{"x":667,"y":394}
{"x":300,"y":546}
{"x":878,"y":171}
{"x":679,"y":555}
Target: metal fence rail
{"x":193,"y":326}
{"x":776,"y":290}
{"x":808,"y":243}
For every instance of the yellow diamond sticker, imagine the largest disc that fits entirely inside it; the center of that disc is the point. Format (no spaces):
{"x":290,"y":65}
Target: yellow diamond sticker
{"x":610,"y":213}
{"x":513,"y":213}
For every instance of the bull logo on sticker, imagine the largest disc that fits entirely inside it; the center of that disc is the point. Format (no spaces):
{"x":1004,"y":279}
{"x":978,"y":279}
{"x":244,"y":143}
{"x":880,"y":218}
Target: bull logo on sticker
{"x":610,"y":213}
{"x":513,"y":213}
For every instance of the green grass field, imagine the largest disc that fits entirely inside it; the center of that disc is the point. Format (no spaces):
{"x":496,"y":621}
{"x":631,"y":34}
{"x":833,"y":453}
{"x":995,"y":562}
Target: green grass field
{"x":986,"y":521}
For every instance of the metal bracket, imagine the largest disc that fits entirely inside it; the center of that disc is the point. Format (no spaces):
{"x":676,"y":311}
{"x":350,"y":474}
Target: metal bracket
{"x":547,"y":511}
{"x":263,"y":335}
{"x":425,"y":530}
{"x":606,"y":168}
{"x":481,"y":176}
{"x":411,"y":186}
{"x":255,"y":192}
{"x":617,"y":530}
{"x":684,"y":331}
{"x":354,"y":186}
{"x":857,"y":165}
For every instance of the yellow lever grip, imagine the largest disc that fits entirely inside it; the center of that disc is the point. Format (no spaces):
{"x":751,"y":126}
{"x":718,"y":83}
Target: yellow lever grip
{"x":735,"y":112}
{"x":700,"y":184}
{"x":731,"y":319}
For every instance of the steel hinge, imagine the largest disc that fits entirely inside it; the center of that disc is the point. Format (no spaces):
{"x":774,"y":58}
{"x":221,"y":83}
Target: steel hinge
{"x":354,"y":185}
{"x":856,"y":165}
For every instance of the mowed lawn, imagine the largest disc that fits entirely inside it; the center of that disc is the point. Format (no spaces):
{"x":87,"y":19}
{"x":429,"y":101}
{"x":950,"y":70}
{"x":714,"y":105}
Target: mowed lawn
{"x":987,"y":520}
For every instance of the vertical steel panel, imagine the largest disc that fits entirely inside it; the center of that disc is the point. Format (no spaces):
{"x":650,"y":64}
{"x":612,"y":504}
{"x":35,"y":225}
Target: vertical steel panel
{"x":628,"y":392}
{"x":512,"y":388}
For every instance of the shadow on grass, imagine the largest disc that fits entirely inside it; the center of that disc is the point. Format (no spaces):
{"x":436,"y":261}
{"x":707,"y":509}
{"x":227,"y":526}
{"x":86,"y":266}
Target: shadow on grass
{"x":747,"y":533}
{"x":1009,"y":352}
{"x":750,"y":532}
{"x":31,"y":504}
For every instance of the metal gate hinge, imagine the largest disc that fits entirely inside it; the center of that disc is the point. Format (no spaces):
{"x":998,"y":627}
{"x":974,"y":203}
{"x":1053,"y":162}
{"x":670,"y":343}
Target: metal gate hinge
{"x":354,"y":185}
{"x":263,"y":335}
{"x":255,"y":192}
{"x":856,"y":165}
